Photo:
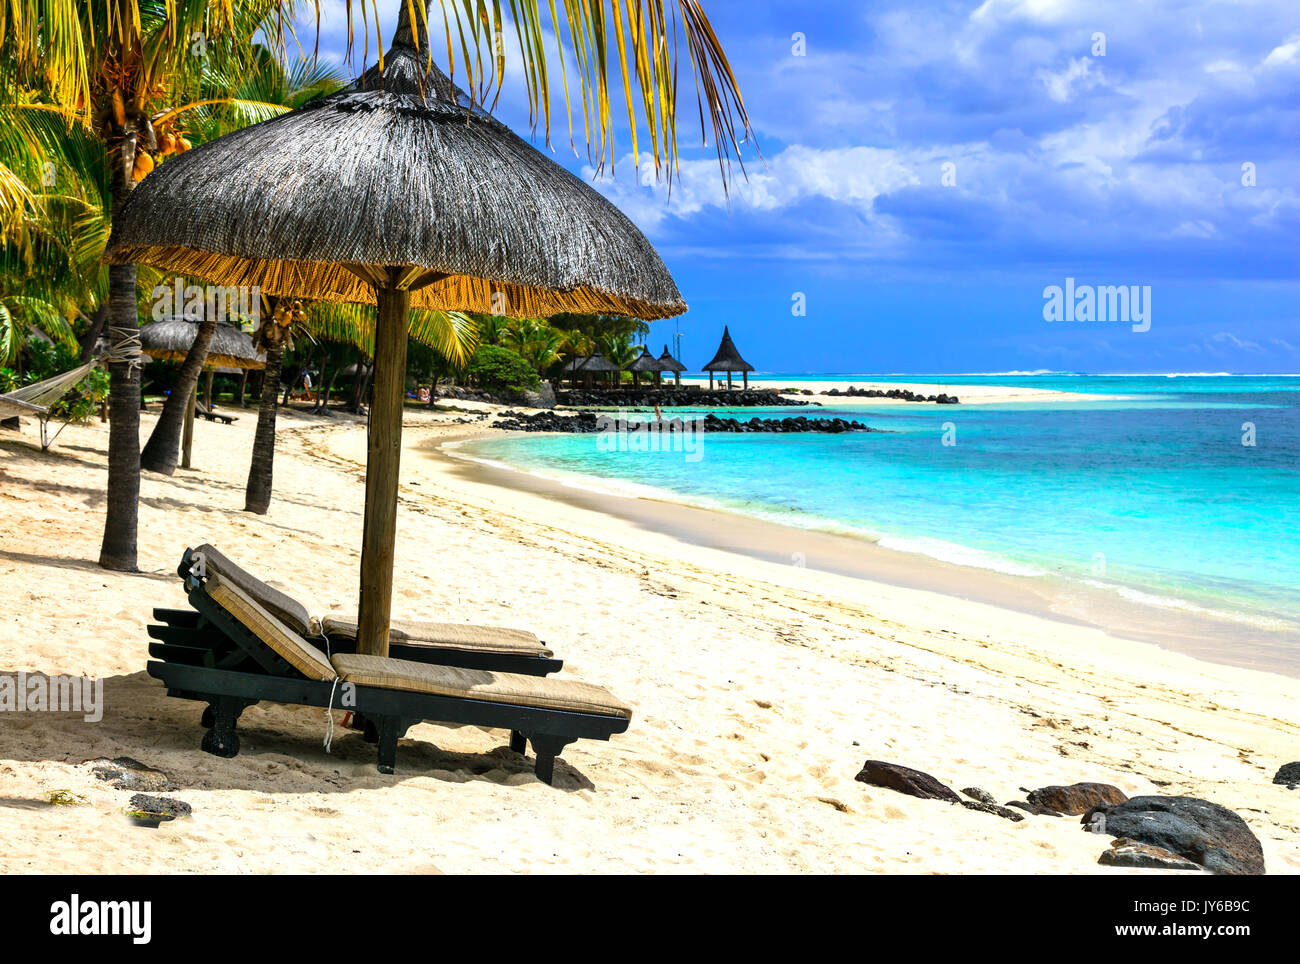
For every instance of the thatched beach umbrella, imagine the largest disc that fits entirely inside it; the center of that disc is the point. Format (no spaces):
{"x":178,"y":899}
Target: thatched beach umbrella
{"x":728,"y":360}
{"x":393,"y":192}
{"x":646,"y":363}
{"x":169,"y":339}
{"x":671,"y":364}
{"x":597,"y":364}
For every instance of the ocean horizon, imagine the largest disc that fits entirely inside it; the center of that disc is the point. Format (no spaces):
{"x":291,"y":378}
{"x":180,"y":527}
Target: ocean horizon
{"x":1174,"y":490}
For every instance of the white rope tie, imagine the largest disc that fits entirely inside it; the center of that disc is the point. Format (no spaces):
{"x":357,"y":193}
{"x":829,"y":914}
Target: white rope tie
{"x":126,"y":348}
{"x":329,"y":717}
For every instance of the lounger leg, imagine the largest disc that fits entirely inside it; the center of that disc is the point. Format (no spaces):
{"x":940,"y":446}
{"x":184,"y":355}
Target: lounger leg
{"x":389,"y":732}
{"x":548,"y":747}
{"x":222,"y":740}
{"x":518,"y":742}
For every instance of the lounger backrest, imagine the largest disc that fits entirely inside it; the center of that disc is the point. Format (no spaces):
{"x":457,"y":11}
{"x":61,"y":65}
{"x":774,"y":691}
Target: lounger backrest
{"x":295,"y":650}
{"x":285,"y":608}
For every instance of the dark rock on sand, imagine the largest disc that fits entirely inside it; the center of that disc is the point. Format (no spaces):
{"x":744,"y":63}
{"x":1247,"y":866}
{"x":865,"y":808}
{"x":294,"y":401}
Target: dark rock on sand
{"x":1004,"y":812}
{"x":914,"y":783}
{"x":983,"y":796}
{"x":1289,"y":774}
{"x":128,"y":774}
{"x":1129,"y":853}
{"x":1077,"y":798}
{"x":164,"y":808}
{"x":1203,"y":832}
{"x":1036,"y":809}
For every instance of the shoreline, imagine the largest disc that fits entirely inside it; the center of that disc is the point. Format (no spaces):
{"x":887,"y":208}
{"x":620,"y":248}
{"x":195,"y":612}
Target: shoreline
{"x":1198,"y":634}
{"x":968,"y":394}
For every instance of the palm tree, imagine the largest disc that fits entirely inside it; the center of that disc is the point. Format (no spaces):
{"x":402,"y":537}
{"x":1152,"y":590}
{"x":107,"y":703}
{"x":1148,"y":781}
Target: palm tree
{"x":109,"y":65}
{"x":264,"y":91}
{"x":452,"y":335}
{"x":116,"y":68}
{"x":535,"y":341}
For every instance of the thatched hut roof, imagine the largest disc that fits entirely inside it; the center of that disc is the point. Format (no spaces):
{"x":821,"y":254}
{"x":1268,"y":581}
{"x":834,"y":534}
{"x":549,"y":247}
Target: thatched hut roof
{"x":669,"y":363}
{"x":646,"y":363}
{"x":598,"y":363}
{"x":395,"y":170}
{"x":574,"y":364}
{"x":170,"y":339}
{"x":727,"y":359}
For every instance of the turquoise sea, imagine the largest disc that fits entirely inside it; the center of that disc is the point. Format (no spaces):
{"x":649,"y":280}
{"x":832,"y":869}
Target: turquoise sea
{"x":1154,"y":496}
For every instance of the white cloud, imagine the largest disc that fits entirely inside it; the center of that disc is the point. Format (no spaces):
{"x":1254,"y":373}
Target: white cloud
{"x":854,"y":176}
{"x":1064,"y":84}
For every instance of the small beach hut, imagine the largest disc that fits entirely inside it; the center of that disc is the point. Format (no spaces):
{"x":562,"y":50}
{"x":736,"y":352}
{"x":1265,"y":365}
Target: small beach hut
{"x":397,"y":192}
{"x":573,"y":369}
{"x":728,"y":360}
{"x":668,"y":363}
{"x":646,"y":363}
{"x":598,"y":364}
{"x":231,"y":350}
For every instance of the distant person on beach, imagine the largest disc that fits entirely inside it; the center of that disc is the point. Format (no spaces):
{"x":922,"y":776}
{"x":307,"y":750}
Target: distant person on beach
{"x":659,"y":416}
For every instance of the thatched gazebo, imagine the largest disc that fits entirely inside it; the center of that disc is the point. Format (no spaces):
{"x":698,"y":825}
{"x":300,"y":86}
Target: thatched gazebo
{"x":597,"y":364}
{"x":231,"y":350}
{"x":646,"y":363}
{"x":728,"y":360}
{"x":395,"y":192}
{"x":667,"y":363}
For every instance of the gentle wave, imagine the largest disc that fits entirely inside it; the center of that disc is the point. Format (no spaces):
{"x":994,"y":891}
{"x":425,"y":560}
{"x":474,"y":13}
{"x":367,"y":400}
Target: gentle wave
{"x":1171,"y":602}
{"x":958,"y":555}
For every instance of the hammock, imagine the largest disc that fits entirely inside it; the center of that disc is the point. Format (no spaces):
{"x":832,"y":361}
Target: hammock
{"x":36,"y":398}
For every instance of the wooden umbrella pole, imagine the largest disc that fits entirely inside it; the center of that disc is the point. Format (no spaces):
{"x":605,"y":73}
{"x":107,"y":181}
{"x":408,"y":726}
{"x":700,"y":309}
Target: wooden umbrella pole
{"x":384,"y":450}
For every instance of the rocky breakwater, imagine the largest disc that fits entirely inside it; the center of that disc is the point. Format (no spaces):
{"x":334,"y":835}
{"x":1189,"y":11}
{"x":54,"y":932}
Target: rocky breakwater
{"x":676,"y":398}
{"x":590,"y":422}
{"x":902,"y":394}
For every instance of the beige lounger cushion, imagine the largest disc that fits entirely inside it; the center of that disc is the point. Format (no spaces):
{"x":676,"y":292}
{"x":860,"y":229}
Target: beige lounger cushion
{"x":475,"y":684}
{"x":279,"y":604}
{"x":474,"y":639}
{"x":300,"y":654}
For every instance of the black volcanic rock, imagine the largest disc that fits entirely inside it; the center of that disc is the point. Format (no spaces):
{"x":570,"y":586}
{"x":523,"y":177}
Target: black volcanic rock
{"x":902,"y":394}
{"x":914,"y":783}
{"x":1077,"y":798}
{"x":675,"y":397}
{"x":590,"y":422}
{"x":1203,"y":832}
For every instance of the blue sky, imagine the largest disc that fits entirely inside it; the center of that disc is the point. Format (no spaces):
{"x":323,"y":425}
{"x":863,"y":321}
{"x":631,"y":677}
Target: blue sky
{"x":1100,"y":141}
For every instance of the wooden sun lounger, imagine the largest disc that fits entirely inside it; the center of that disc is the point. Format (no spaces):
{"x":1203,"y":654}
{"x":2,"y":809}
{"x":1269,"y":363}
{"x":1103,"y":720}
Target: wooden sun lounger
{"x":447,"y":644}
{"x":244,"y":654}
{"x":203,"y":411}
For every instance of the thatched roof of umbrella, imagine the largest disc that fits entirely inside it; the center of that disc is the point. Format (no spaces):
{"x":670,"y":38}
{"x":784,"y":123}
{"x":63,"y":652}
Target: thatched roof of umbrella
{"x":727,"y":359}
{"x":669,"y":363}
{"x":646,"y":363}
{"x":598,"y":363}
{"x":574,"y":364}
{"x":385,"y":174}
{"x":170,"y":339}
{"x":392,"y":192}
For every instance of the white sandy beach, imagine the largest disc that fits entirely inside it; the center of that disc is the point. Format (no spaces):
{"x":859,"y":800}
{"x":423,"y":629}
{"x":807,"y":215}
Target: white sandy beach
{"x":969,"y":394}
{"x":758,"y":691}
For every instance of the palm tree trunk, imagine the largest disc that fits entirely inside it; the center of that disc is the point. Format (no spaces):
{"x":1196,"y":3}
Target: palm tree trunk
{"x":122,"y":500}
{"x":93,"y":331}
{"x":257,"y":496}
{"x":160,"y":452}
